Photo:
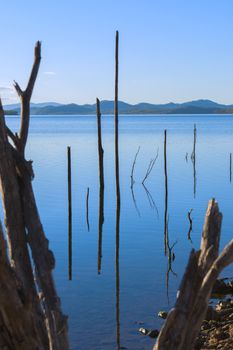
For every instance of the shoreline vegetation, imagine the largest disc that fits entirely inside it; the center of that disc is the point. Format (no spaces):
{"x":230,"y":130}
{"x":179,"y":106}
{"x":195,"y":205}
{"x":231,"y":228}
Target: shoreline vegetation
{"x":107,"y":107}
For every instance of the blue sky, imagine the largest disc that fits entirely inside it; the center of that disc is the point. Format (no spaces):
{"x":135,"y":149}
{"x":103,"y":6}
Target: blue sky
{"x":170,"y":50}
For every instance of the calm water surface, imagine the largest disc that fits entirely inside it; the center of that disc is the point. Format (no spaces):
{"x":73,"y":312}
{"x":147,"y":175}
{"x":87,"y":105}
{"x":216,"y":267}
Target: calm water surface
{"x":101,"y":316}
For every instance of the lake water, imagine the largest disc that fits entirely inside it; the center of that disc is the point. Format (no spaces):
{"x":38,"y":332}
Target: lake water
{"x":107,"y":307}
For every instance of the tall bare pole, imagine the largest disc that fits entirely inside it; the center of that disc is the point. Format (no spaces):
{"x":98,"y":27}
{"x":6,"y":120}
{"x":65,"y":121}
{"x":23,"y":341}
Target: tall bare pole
{"x":117,"y":198}
{"x":116,"y":122}
{"x":101,"y":184}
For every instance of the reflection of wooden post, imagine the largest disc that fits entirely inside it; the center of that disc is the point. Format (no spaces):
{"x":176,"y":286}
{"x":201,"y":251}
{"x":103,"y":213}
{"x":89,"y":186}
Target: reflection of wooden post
{"x":193,"y":158}
{"x":230,"y":166}
{"x":100,"y":226}
{"x":117,"y":199}
{"x":166,"y":192}
{"x":69,"y":214}
{"x":87,"y":209}
{"x":118,"y":276}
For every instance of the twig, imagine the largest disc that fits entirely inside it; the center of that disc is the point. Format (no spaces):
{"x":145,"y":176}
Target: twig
{"x":150,"y":166}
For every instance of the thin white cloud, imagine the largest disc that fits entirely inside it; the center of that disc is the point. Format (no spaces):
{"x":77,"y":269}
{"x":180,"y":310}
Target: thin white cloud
{"x":8,"y":94}
{"x":50,"y":73}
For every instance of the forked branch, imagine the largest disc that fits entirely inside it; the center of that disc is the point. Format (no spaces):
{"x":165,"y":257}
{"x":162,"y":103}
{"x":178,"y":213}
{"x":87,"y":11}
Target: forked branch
{"x":25,"y":97}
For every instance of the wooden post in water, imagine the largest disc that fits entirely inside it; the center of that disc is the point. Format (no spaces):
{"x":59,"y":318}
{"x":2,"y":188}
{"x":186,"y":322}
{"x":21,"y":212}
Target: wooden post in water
{"x":69,"y":214}
{"x":166,"y":192}
{"x":100,"y":147}
{"x":117,"y":198}
{"x":116,"y":122}
{"x":101,"y":185}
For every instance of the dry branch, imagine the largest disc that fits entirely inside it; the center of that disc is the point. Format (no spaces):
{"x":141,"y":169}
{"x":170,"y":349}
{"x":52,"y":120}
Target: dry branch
{"x":25,"y":97}
{"x":150,"y":167}
{"x":184,"y":321}
{"x":24,"y":228}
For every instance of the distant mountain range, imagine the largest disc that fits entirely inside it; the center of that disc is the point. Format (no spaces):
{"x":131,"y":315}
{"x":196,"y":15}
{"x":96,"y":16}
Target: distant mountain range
{"x":107,"y":107}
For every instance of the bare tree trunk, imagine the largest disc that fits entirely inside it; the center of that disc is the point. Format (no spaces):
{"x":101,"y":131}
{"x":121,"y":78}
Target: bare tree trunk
{"x":23,"y":225}
{"x":184,"y":320}
{"x":21,"y":328}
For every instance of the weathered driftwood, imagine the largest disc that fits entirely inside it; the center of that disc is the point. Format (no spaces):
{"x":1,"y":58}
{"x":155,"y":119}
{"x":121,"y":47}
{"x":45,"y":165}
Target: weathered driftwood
{"x":24,"y":228}
{"x":21,"y":328}
{"x":184,"y":320}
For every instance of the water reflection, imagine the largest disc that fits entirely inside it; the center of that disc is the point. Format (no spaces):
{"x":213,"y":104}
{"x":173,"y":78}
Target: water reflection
{"x":87,"y":209}
{"x":69,"y":214}
{"x":166,"y":194}
{"x":100,"y":226}
{"x":193,"y":159}
{"x":118,"y":341}
{"x":230,"y":166}
{"x":133,"y":182}
{"x":190,"y":225}
{"x":171,"y":257}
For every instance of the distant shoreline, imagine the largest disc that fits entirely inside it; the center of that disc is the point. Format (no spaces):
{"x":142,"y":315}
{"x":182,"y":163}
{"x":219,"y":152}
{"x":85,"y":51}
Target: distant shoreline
{"x":107,"y":108}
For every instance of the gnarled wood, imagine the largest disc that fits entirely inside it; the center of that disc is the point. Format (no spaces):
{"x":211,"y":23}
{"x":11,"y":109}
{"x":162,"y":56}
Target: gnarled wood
{"x":184,"y":321}
{"x":24,"y":228}
{"x":25,"y":97}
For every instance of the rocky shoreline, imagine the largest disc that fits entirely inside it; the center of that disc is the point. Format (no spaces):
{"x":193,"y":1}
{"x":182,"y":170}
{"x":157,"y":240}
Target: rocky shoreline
{"x":217,"y":328}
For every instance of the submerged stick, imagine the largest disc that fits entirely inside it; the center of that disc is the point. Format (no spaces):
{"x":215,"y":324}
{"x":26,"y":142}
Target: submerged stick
{"x":69,"y":214}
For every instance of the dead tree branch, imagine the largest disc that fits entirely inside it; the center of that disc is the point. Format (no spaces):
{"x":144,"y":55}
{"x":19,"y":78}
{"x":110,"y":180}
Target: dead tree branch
{"x":184,"y":320}
{"x":24,"y":228}
{"x":150,"y":166}
{"x":25,"y":97}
